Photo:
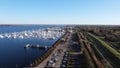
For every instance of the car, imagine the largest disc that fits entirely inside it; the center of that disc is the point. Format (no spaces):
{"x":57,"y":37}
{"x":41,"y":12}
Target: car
{"x":49,"y":63}
{"x":55,"y":59}
{"x":64,"y":61}
{"x":63,"y":66}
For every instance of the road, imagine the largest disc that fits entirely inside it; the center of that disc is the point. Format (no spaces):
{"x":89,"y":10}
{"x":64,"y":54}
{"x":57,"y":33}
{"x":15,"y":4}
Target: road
{"x":64,"y":48}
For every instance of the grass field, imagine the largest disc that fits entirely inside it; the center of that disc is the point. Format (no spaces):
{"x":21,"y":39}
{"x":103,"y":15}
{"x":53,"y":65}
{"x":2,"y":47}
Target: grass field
{"x":112,"y":54}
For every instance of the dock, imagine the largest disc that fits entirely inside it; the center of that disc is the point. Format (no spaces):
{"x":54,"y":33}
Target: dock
{"x":36,"y":46}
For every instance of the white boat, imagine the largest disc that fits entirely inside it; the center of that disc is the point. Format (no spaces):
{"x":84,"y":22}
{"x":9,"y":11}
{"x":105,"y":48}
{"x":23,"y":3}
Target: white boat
{"x":51,"y":34}
{"x":1,"y":36}
{"x":37,"y":45}
{"x":28,"y":45}
{"x":51,"y":38}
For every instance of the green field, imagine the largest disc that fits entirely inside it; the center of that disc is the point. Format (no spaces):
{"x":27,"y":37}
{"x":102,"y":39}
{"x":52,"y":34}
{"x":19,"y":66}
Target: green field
{"x":111,"y":53}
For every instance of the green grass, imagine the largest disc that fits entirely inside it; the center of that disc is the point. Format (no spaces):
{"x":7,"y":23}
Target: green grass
{"x":102,"y":38}
{"x":116,"y":43}
{"x":98,"y":53}
{"x":86,"y":54}
{"x":112,"y":55}
{"x":105,"y":45}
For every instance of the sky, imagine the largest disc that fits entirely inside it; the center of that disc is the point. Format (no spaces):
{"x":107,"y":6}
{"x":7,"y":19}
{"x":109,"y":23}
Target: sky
{"x":103,"y":12}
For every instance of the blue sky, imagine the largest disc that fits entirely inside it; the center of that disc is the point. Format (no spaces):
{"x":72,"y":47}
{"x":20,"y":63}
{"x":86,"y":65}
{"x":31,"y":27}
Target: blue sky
{"x":60,"y":12}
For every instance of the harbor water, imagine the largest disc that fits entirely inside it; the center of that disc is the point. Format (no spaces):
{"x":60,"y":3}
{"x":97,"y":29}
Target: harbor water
{"x":12,"y":51}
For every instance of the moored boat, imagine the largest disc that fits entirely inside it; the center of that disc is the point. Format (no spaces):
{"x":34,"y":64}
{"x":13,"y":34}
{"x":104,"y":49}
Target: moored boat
{"x":26,"y":46}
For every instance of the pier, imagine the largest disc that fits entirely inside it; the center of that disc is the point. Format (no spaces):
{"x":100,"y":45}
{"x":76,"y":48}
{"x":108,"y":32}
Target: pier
{"x":56,"y":51}
{"x":36,"y":46}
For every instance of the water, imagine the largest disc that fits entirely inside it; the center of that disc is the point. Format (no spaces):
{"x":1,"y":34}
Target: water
{"x":12,"y":51}
{"x":18,"y":28}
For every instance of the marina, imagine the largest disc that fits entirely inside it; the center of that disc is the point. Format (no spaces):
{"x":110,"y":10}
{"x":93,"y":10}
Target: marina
{"x":12,"y":48}
{"x":73,"y":48}
{"x":46,"y":33}
{"x":59,"y":34}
